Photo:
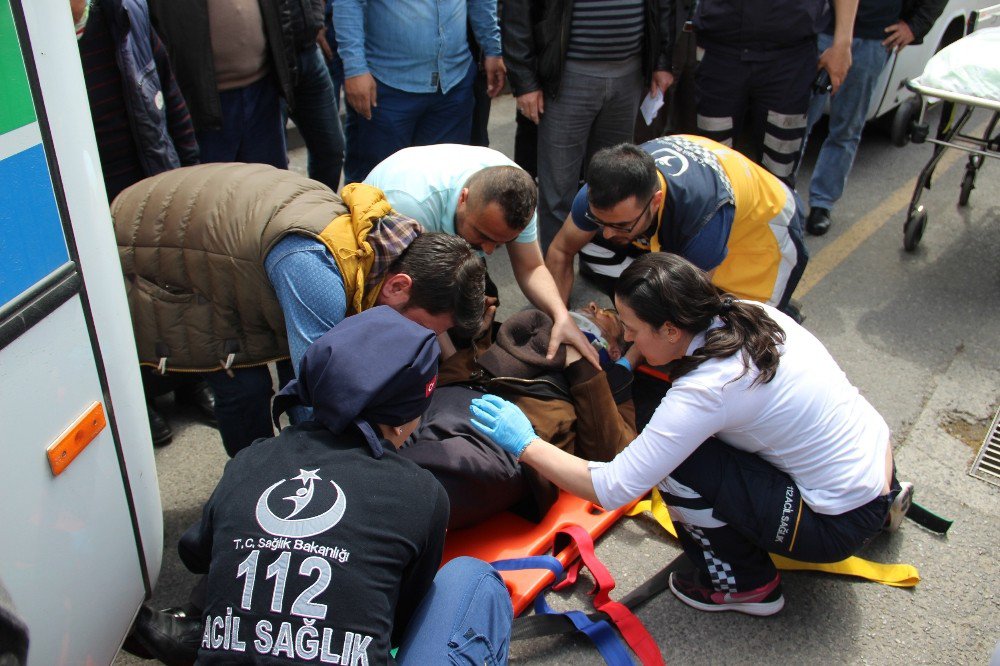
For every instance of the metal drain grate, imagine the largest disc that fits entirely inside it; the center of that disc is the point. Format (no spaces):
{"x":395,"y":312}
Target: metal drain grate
{"x":987,"y":465}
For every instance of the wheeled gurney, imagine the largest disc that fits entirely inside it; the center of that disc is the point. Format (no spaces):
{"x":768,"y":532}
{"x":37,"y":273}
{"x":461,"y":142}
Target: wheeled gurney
{"x":964,"y":76}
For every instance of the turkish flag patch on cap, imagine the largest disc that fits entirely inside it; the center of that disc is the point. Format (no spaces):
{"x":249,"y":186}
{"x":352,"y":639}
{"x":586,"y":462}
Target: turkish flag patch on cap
{"x":430,"y":386}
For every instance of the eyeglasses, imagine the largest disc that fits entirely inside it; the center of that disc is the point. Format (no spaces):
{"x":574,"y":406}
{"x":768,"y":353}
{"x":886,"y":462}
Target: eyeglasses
{"x":624,"y":227}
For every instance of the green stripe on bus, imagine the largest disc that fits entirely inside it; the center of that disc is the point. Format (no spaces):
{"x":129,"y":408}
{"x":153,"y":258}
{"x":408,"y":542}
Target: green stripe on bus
{"x":16,"y":108}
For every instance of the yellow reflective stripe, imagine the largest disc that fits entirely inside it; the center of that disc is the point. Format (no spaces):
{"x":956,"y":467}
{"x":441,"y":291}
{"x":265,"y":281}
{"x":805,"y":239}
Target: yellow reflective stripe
{"x":795,"y":532}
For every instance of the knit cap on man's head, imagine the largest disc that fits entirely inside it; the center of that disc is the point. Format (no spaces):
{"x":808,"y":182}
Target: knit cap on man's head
{"x":520,"y":347}
{"x":377,"y":367}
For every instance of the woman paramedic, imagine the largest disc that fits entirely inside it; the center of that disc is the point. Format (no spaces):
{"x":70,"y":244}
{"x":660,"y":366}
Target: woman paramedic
{"x":760,"y":446}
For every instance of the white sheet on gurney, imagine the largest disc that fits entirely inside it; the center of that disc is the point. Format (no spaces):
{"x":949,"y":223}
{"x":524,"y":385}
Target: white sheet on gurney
{"x":970,"y":66}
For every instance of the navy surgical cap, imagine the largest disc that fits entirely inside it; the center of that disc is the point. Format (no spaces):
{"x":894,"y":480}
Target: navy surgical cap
{"x":377,"y":367}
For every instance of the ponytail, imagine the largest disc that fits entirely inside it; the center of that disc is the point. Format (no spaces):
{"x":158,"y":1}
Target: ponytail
{"x":662,"y":287}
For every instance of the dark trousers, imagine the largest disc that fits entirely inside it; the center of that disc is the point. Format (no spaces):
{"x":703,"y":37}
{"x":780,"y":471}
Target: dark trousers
{"x":482,"y":103}
{"x":403,"y":119}
{"x":317,"y":116}
{"x":243,"y":403}
{"x":733,"y":508}
{"x":526,"y":144}
{"x":252,"y":127}
{"x":772,"y":95}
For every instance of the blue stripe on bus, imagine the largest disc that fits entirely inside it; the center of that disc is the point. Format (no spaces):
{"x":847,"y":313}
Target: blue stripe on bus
{"x":32,"y":243}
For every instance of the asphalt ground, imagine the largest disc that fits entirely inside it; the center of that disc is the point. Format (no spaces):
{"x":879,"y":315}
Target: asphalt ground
{"x":916,"y":332}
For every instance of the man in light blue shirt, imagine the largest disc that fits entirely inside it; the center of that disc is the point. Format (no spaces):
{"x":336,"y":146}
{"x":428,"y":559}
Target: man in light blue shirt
{"x":480,"y":195}
{"x":409,"y":73}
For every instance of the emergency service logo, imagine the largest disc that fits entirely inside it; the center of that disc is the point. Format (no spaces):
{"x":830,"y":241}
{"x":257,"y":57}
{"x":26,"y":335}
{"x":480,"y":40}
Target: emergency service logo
{"x":671,"y":161}
{"x":312,"y":522}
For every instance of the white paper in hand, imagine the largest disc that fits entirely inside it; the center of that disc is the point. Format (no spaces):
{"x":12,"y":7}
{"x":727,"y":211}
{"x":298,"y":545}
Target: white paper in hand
{"x":650,"y":105}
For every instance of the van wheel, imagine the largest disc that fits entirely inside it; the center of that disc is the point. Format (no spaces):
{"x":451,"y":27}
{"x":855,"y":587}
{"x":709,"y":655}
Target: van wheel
{"x":902,"y":121}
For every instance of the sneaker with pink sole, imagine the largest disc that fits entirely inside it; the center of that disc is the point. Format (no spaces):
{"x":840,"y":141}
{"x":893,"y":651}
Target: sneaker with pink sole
{"x":764,"y":600}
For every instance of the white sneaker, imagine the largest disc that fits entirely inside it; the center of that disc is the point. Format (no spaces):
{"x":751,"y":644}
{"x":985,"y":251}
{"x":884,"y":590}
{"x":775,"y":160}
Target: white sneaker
{"x":900,"y":505}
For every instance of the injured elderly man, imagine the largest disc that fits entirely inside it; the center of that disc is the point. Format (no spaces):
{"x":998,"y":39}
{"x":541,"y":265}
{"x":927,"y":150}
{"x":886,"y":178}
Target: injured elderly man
{"x":582,"y":410}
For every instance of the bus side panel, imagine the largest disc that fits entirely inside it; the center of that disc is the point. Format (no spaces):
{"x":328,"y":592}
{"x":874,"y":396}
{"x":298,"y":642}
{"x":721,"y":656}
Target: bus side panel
{"x":59,"y":73}
{"x":68,"y":556}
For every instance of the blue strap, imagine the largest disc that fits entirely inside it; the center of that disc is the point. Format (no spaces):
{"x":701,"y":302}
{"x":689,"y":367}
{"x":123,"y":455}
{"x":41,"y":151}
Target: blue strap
{"x":605,"y":639}
{"x":533,"y":562}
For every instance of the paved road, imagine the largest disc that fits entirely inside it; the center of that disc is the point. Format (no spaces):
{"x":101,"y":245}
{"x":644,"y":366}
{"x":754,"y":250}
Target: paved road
{"x":918,"y":333}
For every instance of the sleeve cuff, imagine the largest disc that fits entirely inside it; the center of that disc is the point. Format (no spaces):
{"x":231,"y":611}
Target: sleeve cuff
{"x":580,"y":371}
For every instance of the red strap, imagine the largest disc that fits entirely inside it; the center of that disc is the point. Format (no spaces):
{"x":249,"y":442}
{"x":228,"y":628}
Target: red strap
{"x":653,"y":372}
{"x":572,"y":573}
{"x":631,"y":628}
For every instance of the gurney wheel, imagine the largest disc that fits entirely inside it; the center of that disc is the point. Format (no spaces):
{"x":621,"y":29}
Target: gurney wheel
{"x":902,"y":121}
{"x":968,"y":184}
{"x":913,"y":230}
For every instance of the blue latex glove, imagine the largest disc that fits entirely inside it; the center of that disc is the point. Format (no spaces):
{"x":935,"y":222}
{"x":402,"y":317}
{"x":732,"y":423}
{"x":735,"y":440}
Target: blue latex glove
{"x":503,"y":422}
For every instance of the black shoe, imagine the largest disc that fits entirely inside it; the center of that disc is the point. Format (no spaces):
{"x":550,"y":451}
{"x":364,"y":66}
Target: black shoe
{"x":818,"y":222}
{"x":201,"y":396}
{"x":172,"y":637}
{"x":792,"y":310}
{"x":158,"y":427}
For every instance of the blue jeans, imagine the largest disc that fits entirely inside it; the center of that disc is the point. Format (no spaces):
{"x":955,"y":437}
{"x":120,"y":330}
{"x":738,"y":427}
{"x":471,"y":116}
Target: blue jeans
{"x":318,"y":119}
{"x":403,"y":119}
{"x":311,"y":293}
{"x":465,"y":618}
{"x":242,"y":406}
{"x":848,"y":111}
{"x":252,"y":127}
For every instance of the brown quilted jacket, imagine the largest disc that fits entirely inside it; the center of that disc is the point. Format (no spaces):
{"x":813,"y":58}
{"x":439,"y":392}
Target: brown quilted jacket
{"x":192,"y":244}
{"x":586,"y":421}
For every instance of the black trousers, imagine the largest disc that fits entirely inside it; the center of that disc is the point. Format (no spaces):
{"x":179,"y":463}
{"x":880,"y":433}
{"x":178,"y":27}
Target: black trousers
{"x":758,"y":106}
{"x":733,"y":508}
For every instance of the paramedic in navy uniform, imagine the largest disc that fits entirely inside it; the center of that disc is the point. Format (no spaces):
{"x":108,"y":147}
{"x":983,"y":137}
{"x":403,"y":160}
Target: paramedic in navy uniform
{"x":760,"y":445}
{"x":321,"y":544}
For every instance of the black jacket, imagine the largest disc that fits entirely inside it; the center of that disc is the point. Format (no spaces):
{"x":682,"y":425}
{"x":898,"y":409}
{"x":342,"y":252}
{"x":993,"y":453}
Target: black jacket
{"x":308,"y":535}
{"x":536,"y":37}
{"x":920,"y":15}
{"x":183,"y":26}
{"x":759,"y":26}
{"x":875,"y":15}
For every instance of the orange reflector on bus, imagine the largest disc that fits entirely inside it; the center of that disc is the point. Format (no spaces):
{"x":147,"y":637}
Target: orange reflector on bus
{"x":76,"y":438}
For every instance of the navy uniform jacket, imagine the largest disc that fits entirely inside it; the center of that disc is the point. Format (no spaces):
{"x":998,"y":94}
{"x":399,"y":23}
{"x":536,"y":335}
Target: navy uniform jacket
{"x":315,"y":549}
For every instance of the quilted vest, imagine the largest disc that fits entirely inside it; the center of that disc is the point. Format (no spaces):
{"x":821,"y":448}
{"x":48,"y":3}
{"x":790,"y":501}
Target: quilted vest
{"x":192,"y":244}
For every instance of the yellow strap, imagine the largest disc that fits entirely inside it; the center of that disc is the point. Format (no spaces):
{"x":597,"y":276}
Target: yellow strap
{"x":895,"y":575}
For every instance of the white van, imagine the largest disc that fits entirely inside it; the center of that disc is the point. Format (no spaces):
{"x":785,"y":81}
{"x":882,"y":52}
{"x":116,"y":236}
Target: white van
{"x":891,"y":93}
{"x":81,"y":532}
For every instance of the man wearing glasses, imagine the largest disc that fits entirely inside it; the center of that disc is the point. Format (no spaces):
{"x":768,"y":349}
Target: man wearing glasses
{"x":691,"y":196}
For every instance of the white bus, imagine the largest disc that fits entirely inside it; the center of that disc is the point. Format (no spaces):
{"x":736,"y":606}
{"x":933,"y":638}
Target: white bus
{"x":81,"y":530}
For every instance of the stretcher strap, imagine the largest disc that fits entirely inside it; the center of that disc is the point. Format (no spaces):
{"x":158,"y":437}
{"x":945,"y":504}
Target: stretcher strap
{"x":628,"y":624}
{"x":653,"y":372}
{"x":572,"y":573}
{"x":928,"y":519}
{"x":895,"y":575}
{"x":607,"y":642}
{"x":535,"y":626}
